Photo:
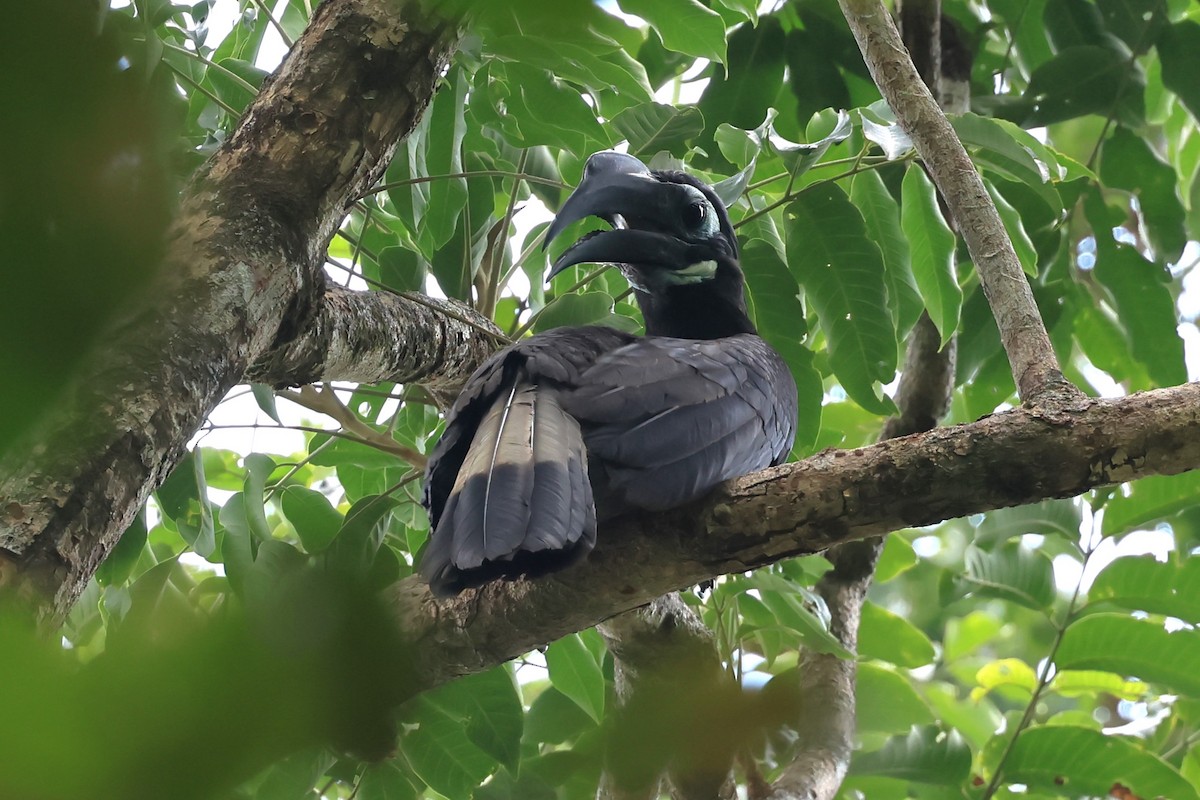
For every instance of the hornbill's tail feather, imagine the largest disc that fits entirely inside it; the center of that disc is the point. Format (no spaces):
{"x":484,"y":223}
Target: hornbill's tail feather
{"x":521,"y":503}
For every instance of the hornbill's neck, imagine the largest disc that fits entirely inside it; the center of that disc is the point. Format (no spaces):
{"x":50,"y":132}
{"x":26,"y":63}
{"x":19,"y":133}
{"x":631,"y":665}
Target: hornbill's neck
{"x":710,"y":310}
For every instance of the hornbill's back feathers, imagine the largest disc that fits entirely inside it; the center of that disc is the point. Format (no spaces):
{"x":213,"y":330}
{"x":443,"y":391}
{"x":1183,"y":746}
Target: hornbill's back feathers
{"x":579,"y":424}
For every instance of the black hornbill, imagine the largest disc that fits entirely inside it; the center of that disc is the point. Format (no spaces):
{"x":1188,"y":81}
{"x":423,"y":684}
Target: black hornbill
{"x":579,"y":424}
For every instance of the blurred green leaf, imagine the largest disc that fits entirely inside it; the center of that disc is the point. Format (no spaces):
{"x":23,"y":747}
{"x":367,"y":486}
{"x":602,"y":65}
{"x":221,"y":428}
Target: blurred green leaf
{"x":1144,"y":584}
{"x":574,"y":309}
{"x":575,"y":673}
{"x":887,"y":702}
{"x":1012,"y":573}
{"x":1047,"y":518}
{"x":889,"y":637}
{"x":386,"y":781}
{"x":1127,"y":162}
{"x":1129,"y":646}
{"x":1081,"y":761}
{"x":1179,"y":49}
{"x":926,"y":755}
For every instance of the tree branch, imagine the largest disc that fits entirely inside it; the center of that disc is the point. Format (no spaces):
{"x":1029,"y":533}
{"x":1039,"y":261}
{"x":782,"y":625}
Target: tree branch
{"x":242,"y":275}
{"x":1034,"y":365}
{"x":371,"y":337}
{"x":1018,"y":457}
{"x":667,"y":670}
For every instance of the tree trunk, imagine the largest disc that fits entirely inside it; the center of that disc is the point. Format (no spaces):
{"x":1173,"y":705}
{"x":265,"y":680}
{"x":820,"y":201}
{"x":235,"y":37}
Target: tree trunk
{"x":242,"y":275}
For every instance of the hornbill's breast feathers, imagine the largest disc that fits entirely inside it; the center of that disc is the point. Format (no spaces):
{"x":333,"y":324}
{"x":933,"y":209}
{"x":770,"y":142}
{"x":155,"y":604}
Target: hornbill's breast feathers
{"x":577,"y":425}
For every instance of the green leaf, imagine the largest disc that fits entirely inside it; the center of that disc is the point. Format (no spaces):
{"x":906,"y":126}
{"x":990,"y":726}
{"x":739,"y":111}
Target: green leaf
{"x":574,"y":309}
{"x":1078,"y":761}
{"x":1082,"y":683}
{"x":753,"y":76}
{"x":454,"y":265}
{"x":886,"y":702}
{"x":183,"y":498}
{"x":925,"y":755}
{"x":401,"y":269}
{"x":1008,"y":151}
{"x":237,"y":547}
{"x":685,"y":26}
{"x":1143,"y":584}
{"x":1099,"y":335}
{"x":1179,"y":49}
{"x":1147,"y":311}
{"x":1003,"y":673}
{"x":798,"y":158}
{"x":1048,"y":518}
{"x":738,"y":145}
{"x":932,"y":244}
{"x":1127,"y":162}
{"x":746,"y":10}
{"x":1136,"y":647}
{"x":651,"y":127}
{"x":881,"y":215}
{"x":575,"y":673}
{"x":361,"y":535}
{"x":258,"y":467}
{"x":440,"y":753}
{"x":897,"y":558}
{"x":800,"y":612}
{"x":1086,"y":79}
{"x":964,"y":635}
{"x":443,"y":156}
{"x":842,"y":273}
{"x":526,"y":91}
{"x":975,"y":721}
{"x":1026,"y":252}
{"x":555,"y":718}
{"x":574,"y":63}
{"x":731,"y":189}
{"x":119,"y":564}
{"x":889,"y":637}
{"x":237,"y":89}
{"x":315,"y":520}
{"x":489,"y":707}
{"x":1012,"y":573}
{"x":385,"y":780}
{"x":773,"y":297}
{"x":347,"y":451}
{"x":264,"y":396}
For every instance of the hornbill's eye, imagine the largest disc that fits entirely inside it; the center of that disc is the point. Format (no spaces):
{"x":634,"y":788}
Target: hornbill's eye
{"x":694,"y":214}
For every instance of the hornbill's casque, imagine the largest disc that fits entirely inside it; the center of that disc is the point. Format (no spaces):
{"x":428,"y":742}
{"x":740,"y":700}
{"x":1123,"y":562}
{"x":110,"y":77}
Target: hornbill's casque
{"x":576,"y":425}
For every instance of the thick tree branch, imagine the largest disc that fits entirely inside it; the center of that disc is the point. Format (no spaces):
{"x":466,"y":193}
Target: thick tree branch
{"x":1031,"y":356}
{"x":1018,"y":457}
{"x":242,"y":274}
{"x":370,"y":337}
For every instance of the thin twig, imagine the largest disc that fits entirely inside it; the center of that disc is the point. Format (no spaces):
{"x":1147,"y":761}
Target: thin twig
{"x":325,"y":401}
{"x":1044,"y":678}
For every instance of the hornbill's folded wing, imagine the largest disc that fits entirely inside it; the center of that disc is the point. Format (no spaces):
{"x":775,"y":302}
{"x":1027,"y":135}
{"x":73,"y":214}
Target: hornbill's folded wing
{"x":667,"y":419}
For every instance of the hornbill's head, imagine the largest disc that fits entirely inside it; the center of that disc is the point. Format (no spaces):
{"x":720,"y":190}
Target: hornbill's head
{"x":670,"y":229}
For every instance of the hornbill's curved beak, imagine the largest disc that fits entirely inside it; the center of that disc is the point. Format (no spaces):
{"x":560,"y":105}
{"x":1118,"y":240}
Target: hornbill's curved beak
{"x":617,"y":187}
